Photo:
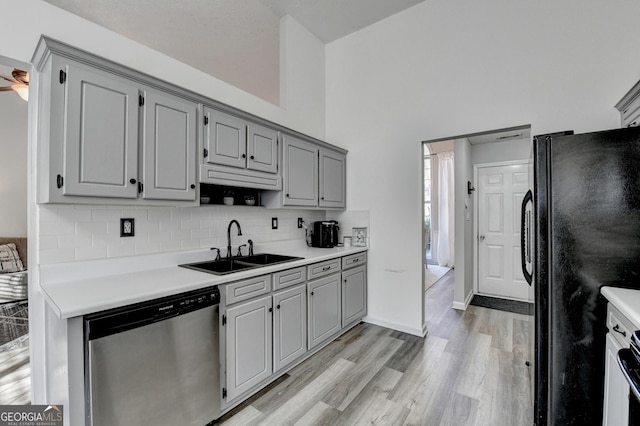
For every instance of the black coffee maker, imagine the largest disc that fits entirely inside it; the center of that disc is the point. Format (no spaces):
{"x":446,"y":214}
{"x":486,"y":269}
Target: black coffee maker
{"x":325,"y":234}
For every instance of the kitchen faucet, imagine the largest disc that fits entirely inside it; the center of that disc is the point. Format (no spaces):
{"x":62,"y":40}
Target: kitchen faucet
{"x":229,"y":256}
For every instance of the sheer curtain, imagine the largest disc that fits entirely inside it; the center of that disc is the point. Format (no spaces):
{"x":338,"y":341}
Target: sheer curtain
{"x":446,"y":209}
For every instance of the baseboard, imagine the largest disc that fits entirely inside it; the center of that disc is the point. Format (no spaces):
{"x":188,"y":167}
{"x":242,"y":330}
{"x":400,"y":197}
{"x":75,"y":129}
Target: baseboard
{"x":420,"y":332}
{"x":463,"y":306}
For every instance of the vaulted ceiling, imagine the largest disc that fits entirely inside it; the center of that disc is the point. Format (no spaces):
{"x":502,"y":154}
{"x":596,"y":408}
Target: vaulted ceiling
{"x":236,"y":41}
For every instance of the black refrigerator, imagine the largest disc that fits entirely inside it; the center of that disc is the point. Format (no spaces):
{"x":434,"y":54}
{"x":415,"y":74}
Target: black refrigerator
{"x":586,"y":204}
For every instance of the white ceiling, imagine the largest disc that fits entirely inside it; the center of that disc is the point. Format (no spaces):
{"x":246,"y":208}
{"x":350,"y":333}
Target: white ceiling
{"x":236,"y":41}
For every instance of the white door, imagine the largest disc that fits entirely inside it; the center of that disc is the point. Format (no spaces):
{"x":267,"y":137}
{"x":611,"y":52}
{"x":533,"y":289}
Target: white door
{"x":500,"y":193}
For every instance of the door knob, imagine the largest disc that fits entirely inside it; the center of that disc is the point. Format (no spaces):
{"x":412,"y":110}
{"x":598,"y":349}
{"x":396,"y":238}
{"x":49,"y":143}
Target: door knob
{"x":481,"y":238}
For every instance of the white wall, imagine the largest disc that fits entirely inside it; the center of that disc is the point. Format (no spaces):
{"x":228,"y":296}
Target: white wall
{"x":13,"y":165}
{"x":464,"y":207}
{"x":76,"y":233}
{"x":302,"y":74}
{"x":20,"y":34}
{"x":441,"y":69}
{"x":516,"y":149}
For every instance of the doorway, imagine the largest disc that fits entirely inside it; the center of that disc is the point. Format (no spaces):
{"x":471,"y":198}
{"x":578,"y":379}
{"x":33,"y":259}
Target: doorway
{"x":14,"y":319}
{"x":501,"y":189}
{"x":469,"y":150}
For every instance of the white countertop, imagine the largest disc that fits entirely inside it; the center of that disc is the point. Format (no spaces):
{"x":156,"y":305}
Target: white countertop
{"x":81,"y":288}
{"x":626,"y":300}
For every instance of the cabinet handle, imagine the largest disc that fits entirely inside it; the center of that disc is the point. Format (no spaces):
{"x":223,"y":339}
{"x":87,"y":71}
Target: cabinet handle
{"x":132,"y":181}
{"x":59,"y":181}
{"x":312,"y":293}
{"x":287,"y":195}
{"x":244,"y":155}
{"x":616,"y":328}
{"x":270,"y":309}
{"x":193,"y":186}
{"x":345,"y":280}
{"x":355,"y":260}
{"x":632,"y":124}
{"x":252,"y":157}
{"x":278,"y":307}
{"x":326,"y":268}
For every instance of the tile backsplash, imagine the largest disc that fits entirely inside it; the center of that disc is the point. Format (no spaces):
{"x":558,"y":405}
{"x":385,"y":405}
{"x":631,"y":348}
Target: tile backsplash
{"x":78,"y":232}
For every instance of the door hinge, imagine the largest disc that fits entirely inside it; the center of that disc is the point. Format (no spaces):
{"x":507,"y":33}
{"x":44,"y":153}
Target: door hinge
{"x":224,"y":393}
{"x":141,"y":100}
{"x":63,"y":76}
{"x":206,"y":152}
{"x":206,"y":120}
{"x":140,"y":187}
{"x":224,"y":320}
{"x":59,"y":181}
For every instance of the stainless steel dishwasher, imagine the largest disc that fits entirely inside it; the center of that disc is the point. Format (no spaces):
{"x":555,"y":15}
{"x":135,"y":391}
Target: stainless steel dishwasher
{"x":154,"y":363}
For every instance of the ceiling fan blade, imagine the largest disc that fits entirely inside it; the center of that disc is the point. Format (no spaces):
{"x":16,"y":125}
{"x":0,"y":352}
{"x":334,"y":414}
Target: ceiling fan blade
{"x":10,"y":80}
{"x":20,"y":76}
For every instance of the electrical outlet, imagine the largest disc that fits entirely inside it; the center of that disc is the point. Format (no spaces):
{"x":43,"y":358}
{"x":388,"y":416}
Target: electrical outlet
{"x":274,"y":223}
{"x":127,"y":227}
{"x":300,"y":223}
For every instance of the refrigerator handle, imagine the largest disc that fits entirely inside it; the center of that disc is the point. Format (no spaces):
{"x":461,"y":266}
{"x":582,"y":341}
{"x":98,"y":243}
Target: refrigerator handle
{"x":523,"y":240}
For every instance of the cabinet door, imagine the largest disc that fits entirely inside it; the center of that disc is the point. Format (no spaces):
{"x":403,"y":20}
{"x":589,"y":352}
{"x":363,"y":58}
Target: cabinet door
{"x":323,"y":302}
{"x":332,"y":179}
{"x":225,"y":138}
{"x":248,"y":345}
{"x":354,"y":295}
{"x":616,"y":388}
{"x":262,"y":149}
{"x":169,"y":148}
{"x":289,"y":325}
{"x":300,"y":170}
{"x":101,"y":134}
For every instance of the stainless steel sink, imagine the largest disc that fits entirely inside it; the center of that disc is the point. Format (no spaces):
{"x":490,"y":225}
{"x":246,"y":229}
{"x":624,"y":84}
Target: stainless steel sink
{"x":228,"y":266}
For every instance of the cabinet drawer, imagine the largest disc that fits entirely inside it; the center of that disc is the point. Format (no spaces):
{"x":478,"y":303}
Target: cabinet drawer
{"x":323,"y":268}
{"x":619,"y":326}
{"x":354,"y":260}
{"x":289,"y":277}
{"x":246,"y":289}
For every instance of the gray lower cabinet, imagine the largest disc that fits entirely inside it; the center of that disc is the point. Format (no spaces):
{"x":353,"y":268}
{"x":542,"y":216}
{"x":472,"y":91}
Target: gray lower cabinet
{"x":323,"y":301}
{"x":354,"y":294}
{"x":248,"y":345}
{"x":289,"y":325}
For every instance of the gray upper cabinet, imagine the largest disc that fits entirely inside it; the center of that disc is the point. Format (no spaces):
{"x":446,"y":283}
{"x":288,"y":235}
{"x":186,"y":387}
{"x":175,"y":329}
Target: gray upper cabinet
{"x":289,"y":325}
{"x":300,"y":172}
{"x":262,"y":149}
{"x":169,"y":147}
{"x":248,"y":345}
{"x":314,"y":176}
{"x":100,"y":144}
{"x":239,"y":153}
{"x":225,"y":139}
{"x":332,"y":179}
{"x":629,"y":107}
{"x":105,"y":138}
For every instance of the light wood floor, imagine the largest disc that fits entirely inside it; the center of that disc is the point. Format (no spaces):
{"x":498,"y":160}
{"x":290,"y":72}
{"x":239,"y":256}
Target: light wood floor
{"x":469,"y":370}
